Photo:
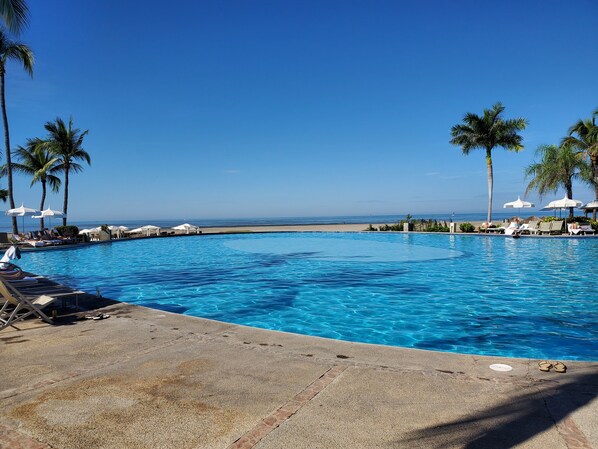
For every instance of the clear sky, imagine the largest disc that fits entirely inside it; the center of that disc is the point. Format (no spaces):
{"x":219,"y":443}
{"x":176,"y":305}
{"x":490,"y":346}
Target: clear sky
{"x":298,"y":108}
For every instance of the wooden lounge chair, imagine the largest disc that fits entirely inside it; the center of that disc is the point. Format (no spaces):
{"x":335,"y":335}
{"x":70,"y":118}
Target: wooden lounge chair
{"x":18,"y":306}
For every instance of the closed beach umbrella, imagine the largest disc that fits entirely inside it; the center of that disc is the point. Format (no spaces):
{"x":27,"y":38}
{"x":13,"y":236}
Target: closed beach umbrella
{"x":518,"y":204}
{"x":186,"y":227}
{"x":22,"y":212}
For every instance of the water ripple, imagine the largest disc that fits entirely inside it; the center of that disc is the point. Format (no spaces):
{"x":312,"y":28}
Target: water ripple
{"x":529,"y":297}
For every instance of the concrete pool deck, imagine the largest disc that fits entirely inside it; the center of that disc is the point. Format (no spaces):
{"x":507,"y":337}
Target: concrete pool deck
{"x":150,"y":379}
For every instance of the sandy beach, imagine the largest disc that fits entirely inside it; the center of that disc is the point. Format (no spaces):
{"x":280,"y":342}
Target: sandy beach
{"x":290,"y":228}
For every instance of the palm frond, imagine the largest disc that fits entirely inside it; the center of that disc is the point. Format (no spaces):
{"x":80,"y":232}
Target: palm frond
{"x":15,"y":51}
{"x":557,"y":167}
{"x":15,"y":14}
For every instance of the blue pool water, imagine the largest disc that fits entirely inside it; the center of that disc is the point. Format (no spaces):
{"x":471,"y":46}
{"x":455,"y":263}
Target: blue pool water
{"x":528,"y":297}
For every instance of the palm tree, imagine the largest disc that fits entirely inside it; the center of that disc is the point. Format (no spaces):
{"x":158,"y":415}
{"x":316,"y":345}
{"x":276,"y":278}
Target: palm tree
{"x":586,"y":141}
{"x":18,"y":52}
{"x":488,"y":132}
{"x":37,"y":162}
{"x":558,"y":167}
{"x":67,"y":145}
{"x":15,"y":14}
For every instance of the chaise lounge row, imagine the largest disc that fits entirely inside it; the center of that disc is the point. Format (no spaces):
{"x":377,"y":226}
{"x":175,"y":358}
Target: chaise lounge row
{"x":537,"y":227}
{"x":22,"y":296}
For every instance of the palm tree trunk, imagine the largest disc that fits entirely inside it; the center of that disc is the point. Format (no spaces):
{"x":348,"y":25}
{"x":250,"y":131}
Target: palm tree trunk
{"x":490,"y":182}
{"x":66,"y":195}
{"x":11,"y":199}
{"x":41,"y":206}
{"x":594,"y":163}
{"x":569,"y":188}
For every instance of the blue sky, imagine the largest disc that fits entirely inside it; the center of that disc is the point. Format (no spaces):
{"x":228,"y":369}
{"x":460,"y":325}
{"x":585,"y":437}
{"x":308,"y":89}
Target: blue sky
{"x":298,"y":108}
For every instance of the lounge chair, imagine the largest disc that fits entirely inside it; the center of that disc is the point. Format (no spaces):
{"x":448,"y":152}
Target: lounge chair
{"x":530,"y":228}
{"x":4,"y":240}
{"x":18,"y":306}
{"x":556,"y":227}
{"x":544,"y":227}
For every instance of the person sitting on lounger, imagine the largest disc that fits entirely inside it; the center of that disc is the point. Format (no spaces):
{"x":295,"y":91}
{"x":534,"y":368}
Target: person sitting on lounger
{"x":513,"y":228}
{"x":11,"y":253}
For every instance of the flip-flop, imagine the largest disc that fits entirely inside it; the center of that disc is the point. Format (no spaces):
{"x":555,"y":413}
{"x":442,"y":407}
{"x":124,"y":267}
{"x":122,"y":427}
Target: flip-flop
{"x":544,"y":365}
{"x":560,"y":367}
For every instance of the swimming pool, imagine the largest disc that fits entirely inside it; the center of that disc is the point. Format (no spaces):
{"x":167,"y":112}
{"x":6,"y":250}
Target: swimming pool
{"x":528,"y":297}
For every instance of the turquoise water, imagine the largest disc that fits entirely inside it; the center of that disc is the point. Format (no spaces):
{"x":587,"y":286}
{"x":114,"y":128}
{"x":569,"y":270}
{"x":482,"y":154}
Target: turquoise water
{"x":528,"y":297}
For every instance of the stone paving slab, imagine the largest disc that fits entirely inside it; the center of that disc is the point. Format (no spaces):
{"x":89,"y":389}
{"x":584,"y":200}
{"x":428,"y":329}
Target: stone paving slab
{"x":405,"y":410}
{"x":146,"y":378}
{"x":192,"y":394}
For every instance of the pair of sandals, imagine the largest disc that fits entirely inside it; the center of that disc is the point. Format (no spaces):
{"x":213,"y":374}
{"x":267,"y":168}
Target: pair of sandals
{"x":559,"y":367}
{"x":99,"y":316}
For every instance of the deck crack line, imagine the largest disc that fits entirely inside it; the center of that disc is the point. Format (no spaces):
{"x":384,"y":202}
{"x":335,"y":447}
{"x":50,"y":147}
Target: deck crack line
{"x":572,"y":435}
{"x":283,"y":413}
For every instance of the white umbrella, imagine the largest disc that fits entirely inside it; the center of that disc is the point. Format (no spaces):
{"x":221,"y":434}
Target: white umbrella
{"x":564,"y":203}
{"x":22,"y":212}
{"x":518,"y":204}
{"x":49,"y":213}
{"x":148,"y":229}
{"x":186,"y":227}
{"x":592,"y":205}
{"x":118,"y":229}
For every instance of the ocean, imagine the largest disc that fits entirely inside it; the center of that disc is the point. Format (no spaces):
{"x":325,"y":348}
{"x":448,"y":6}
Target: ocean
{"x":33,"y":224}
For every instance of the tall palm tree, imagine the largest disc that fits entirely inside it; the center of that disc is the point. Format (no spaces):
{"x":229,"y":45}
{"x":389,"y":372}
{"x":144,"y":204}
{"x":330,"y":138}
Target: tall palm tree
{"x":584,"y":137}
{"x":15,"y":14}
{"x":20,"y":53}
{"x":558,"y":167}
{"x":36,"y":161}
{"x":66,"y":143}
{"x":488,"y":132}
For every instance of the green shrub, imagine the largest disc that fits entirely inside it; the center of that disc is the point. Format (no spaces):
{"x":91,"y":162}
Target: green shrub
{"x":68,"y":231}
{"x":466,"y":227}
{"x":550,"y":218}
{"x":371,"y":228}
{"x":578,"y":219}
{"x":437,"y":228}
